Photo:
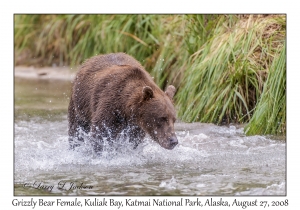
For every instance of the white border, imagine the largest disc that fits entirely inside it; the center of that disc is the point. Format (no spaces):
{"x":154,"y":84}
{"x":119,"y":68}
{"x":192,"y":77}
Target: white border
{"x":153,"y":6}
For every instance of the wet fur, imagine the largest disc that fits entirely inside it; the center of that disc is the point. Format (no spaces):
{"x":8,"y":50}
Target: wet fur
{"x":109,"y":96}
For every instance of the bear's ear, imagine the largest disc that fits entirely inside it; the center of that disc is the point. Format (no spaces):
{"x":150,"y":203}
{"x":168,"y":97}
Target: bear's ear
{"x":147,"y":93}
{"x":170,"y":91}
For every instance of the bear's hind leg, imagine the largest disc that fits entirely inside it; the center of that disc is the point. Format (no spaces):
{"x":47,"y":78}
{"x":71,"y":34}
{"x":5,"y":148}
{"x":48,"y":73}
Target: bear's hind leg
{"x":96,"y":139}
{"x":77,"y":128}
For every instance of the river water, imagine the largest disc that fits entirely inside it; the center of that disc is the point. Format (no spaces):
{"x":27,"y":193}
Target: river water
{"x":209,"y":159}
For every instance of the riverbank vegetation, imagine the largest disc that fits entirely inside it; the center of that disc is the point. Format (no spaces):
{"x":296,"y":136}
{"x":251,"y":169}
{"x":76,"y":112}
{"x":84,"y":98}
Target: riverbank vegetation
{"x":228,"y":68}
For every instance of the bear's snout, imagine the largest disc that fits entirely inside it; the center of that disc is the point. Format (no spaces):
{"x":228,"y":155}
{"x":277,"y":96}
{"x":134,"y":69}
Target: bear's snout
{"x":173,"y":141}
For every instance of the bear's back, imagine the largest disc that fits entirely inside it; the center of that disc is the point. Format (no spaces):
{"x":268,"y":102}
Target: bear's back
{"x":91,"y":82}
{"x":97,"y":63}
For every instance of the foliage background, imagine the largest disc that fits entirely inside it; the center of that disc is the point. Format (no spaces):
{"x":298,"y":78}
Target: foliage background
{"x":227,"y":68}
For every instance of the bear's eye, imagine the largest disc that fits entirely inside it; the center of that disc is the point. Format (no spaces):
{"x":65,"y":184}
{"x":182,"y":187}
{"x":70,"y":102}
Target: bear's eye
{"x":164,"y":119}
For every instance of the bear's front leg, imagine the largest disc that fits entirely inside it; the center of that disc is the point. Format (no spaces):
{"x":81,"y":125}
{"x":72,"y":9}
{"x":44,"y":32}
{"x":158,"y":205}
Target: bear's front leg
{"x":136,"y":136}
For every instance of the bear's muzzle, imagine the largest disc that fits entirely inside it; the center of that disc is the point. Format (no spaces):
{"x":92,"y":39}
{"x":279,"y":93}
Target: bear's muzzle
{"x":172,"y":142}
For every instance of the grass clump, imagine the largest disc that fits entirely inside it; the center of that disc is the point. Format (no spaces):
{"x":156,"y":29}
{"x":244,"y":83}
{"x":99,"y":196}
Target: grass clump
{"x":270,"y":113}
{"x":70,"y":39}
{"x":226,"y":75}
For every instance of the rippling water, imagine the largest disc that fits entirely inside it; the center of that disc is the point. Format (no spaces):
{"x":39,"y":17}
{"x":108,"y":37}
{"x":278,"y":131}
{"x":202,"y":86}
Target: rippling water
{"x":209,"y":160}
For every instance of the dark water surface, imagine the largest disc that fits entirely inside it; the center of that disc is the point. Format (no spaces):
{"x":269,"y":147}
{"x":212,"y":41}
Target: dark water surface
{"x":209,"y":160}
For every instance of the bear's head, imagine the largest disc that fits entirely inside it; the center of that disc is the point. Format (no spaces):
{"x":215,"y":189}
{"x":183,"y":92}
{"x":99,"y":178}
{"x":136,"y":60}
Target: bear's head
{"x":157,"y":115}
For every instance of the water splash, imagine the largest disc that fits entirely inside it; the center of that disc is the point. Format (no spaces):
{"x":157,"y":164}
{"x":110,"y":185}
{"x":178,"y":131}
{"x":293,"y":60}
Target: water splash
{"x":209,"y":160}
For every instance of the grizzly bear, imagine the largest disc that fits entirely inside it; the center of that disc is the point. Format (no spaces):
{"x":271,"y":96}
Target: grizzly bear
{"x":113,"y":93}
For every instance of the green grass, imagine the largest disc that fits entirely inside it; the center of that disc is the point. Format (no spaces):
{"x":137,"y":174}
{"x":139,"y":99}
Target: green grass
{"x":226,"y":75}
{"x":270,"y":113}
{"x":219,"y":63}
{"x":70,"y":39}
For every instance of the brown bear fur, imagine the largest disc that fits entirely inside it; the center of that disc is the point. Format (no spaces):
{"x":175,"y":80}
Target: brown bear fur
{"x":112,"y":93}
